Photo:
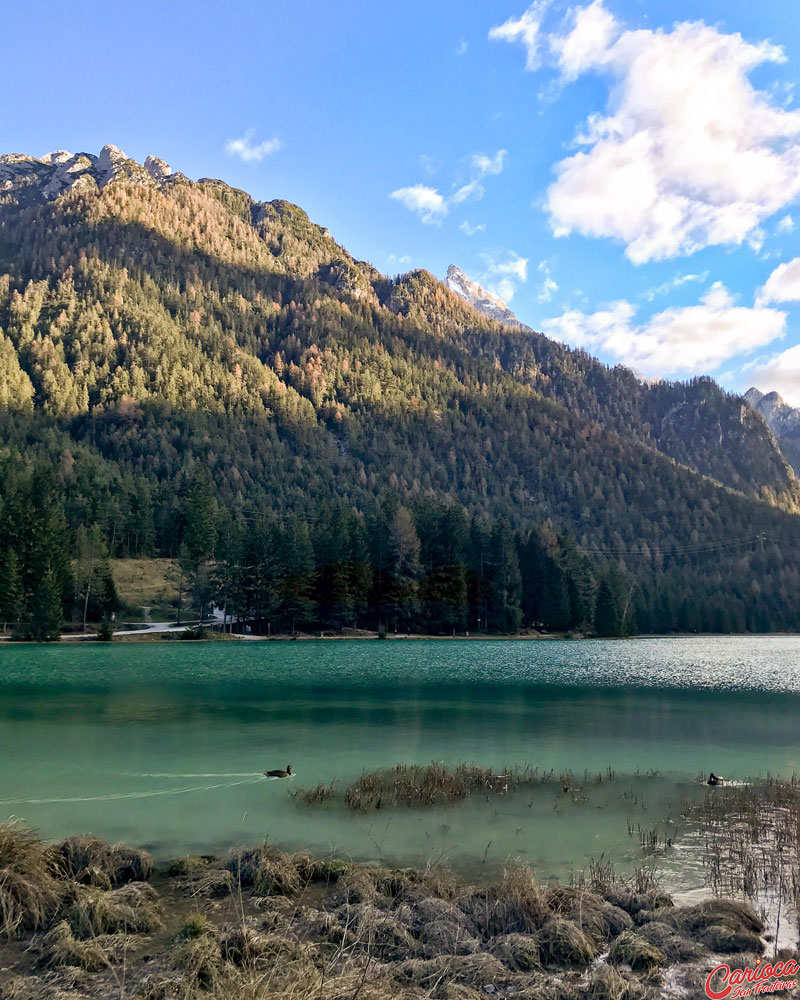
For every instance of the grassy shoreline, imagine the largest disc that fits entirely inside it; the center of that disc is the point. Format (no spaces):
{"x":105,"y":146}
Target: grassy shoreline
{"x":212,"y":636}
{"x":84,"y":918}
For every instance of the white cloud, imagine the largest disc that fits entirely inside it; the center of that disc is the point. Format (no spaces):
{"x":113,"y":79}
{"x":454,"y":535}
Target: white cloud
{"x":513,"y":265}
{"x":469,"y":230}
{"x":689,"y":339}
{"x":468,"y":192}
{"x":484,"y":164}
{"x":687,"y":155}
{"x":588,"y":44}
{"x":548,"y":286}
{"x":425,"y":201}
{"x":783,"y":285}
{"x":781,"y":374}
{"x":525,"y":29}
{"x":432,"y":206}
{"x":676,"y":282}
{"x":504,"y":273}
{"x":462,"y":48}
{"x":245,"y":150}
{"x":785,"y":225}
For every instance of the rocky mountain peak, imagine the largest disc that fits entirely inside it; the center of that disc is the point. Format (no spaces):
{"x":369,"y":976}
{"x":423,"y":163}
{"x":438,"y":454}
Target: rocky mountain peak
{"x":158,"y":169}
{"x":480,"y":298}
{"x":29,"y":179}
{"x":780,"y":416}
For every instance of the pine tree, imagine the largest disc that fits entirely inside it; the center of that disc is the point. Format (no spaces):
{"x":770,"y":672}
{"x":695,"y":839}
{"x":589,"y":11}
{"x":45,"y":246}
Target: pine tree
{"x":46,"y":616}
{"x":607,"y":615}
{"x":403,"y":548}
{"x":200,"y":513}
{"x":12,"y":596}
{"x":504,"y":600}
{"x":359,"y":567}
{"x":297,"y":584}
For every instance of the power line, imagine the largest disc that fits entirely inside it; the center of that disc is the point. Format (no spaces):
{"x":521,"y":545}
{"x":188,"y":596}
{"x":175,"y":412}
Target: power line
{"x":693,"y":548}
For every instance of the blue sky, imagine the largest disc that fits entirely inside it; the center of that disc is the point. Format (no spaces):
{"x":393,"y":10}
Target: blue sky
{"x":626,"y":175}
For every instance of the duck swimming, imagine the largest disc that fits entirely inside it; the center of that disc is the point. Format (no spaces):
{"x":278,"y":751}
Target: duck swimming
{"x":715,"y":779}
{"x":280,"y":774}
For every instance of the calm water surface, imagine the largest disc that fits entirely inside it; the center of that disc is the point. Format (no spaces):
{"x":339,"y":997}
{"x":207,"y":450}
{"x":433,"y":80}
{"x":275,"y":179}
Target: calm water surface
{"x":163,"y":745}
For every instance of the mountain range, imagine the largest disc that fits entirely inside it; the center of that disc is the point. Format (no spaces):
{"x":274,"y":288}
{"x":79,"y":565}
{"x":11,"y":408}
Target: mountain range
{"x":152,"y":326}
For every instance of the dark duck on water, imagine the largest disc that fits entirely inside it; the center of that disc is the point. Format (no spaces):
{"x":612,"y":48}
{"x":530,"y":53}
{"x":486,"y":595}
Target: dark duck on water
{"x":280,"y":774}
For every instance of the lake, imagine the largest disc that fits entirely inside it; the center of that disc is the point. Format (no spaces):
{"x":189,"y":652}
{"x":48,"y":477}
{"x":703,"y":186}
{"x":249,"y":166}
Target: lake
{"x":163,"y":744}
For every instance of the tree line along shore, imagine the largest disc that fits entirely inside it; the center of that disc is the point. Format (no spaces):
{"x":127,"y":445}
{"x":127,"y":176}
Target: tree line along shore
{"x":428,"y":569}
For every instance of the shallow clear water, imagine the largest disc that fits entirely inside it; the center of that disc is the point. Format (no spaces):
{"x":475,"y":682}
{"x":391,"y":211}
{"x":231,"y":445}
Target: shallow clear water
{"x":163,"y":745}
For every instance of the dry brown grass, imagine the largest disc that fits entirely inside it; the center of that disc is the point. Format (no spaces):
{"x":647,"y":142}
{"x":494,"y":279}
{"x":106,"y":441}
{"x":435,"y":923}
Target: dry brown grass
{"x":29,"y":892}
{"x":372,"y":933}
{"x":636,"y":951}
{"x":561,"y":942}
{"x":518,"y":952}
{"x":92,"y":861}
{"x":723,"y":925}
{"x":517,"y":905}
{"x":60,"y":947}
{"x":131,"y":909}
{"x":606,"y":983}
{"x":143,"y":582}
{"x":265,"y":870}
{"x":426,"y":785}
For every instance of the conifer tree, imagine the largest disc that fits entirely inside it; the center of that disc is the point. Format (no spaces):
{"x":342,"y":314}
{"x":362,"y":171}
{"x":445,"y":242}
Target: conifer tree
{"x":504,"y":600}
{"x":12,"y":596}
{"x":297,"y":583}
{"x":607,"y":615}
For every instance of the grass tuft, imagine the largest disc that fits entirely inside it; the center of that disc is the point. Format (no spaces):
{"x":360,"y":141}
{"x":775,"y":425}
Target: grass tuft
{"x":268,"y":871}
{"x":562,"y":942}
{"x":29,"y":893}
{"x":131,"y":909}
{"x":92,"y":861}
{"x":637,"y":952}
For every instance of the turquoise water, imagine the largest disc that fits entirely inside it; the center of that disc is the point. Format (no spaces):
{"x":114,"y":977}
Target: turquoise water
{"x":163,"y":745}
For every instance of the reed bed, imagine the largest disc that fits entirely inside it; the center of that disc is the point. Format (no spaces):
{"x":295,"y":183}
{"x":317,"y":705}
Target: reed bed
{"x":438,"y":784}
{"x":751,"y":840}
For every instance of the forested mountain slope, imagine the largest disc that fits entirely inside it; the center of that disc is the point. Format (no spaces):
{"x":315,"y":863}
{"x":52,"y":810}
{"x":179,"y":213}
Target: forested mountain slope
{"x":153,"y":329}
